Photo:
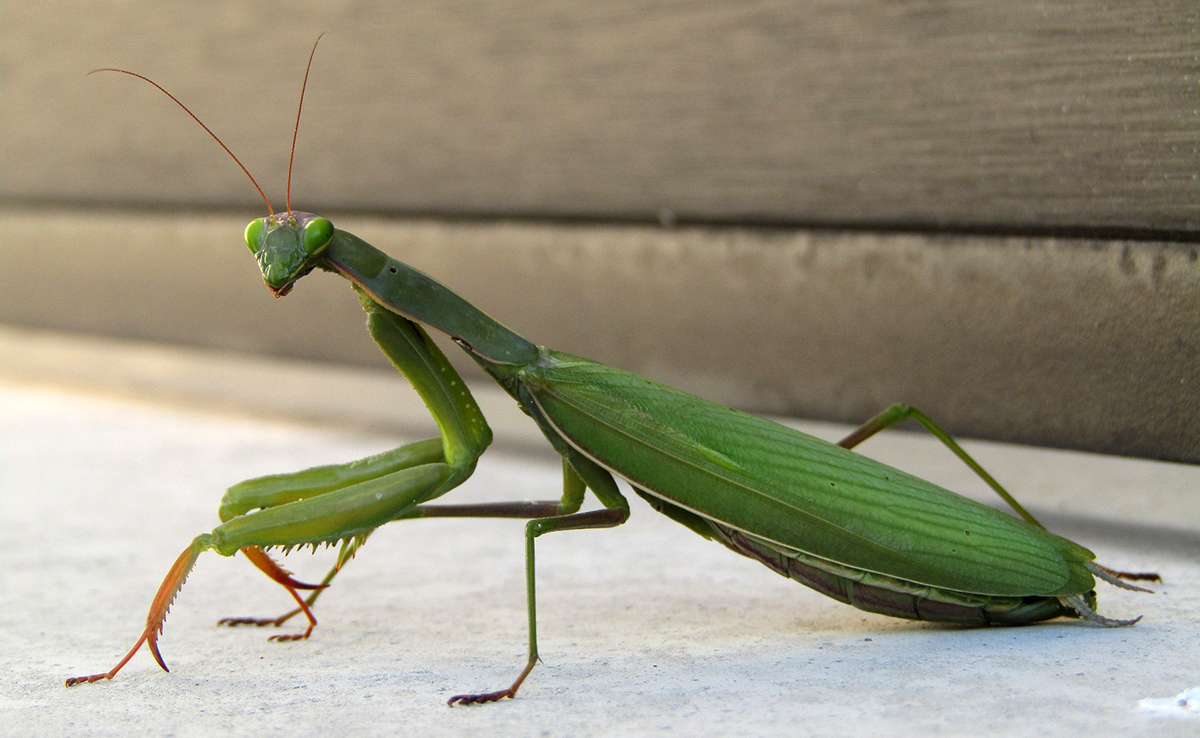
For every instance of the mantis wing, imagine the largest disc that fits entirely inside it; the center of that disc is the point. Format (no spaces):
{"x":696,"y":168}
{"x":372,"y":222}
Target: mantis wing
{"x":794,"y":490}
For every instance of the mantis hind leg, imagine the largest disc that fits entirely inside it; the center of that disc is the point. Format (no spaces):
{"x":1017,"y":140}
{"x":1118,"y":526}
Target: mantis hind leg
{"x":900,"y":412}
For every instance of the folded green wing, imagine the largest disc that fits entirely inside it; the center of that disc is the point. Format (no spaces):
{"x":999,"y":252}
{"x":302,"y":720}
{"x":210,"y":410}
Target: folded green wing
{"x":795,"y":490}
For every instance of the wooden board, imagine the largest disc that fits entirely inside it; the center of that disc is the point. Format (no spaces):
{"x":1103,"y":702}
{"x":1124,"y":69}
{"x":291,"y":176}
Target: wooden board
{"x":1017,"y":116}
{"x":1077,"y":344}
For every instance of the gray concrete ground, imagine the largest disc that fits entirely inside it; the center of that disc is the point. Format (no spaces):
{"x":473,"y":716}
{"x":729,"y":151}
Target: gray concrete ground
{"x":645,"y":629}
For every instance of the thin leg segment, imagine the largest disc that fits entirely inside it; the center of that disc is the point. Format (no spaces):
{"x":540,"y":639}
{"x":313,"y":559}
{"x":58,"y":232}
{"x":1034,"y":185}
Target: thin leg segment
{"x":899,"y":413}
{"x":578,"y":472}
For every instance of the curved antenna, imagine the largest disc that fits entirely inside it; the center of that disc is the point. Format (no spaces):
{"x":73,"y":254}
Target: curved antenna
{"x":206,"y":128}
{"x":299,"y":109}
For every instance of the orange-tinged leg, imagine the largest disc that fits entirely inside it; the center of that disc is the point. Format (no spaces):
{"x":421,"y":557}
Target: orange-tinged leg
{"x":349,"y":548}
{"x":158,"y":610}
{"x":268,"y":566}
{"x":341,"y":514}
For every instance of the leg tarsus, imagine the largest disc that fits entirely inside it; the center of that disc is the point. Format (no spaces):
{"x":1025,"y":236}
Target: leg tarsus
{"x":1076,"y":603}
{"x":113,"y":672}
{"x":260,"y":622}
{"x":480,"y":699}
{"x":510,"y":693}
{"x":1117,"y":578}
{"x":1133,"y":576}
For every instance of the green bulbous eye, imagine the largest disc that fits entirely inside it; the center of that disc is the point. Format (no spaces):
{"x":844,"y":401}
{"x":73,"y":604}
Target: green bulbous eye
{"x":317,"y":234}
{"x":254,"y":234}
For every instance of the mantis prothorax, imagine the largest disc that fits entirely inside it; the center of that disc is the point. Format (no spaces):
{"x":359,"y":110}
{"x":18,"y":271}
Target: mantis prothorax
{"x":852,"y":528}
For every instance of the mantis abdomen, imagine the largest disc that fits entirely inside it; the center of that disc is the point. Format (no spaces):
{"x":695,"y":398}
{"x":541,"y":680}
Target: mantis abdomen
{"x":895,"y":597}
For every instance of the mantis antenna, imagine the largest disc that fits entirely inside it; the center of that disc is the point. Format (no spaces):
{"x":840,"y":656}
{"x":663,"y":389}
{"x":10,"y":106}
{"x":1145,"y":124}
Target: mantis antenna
{"x":295,"y":133}
{"x":299,"y":109}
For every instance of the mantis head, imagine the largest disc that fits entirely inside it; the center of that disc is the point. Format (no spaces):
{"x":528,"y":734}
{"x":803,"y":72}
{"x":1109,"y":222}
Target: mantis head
{"x":287,"y":246}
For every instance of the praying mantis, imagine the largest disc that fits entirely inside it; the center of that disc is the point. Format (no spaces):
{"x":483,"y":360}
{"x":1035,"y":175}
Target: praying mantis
{"x":845,"y":525}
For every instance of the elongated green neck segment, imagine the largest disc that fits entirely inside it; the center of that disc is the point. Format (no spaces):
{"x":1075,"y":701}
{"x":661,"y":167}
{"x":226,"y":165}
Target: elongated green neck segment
{"x":415,"y":295}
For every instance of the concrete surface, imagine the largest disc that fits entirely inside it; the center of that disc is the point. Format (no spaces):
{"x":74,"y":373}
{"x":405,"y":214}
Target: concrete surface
{"x":645,"y":629}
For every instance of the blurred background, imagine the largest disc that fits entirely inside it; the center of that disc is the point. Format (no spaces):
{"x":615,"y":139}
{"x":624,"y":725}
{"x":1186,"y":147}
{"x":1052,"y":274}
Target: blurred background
{"x":817,"y":209}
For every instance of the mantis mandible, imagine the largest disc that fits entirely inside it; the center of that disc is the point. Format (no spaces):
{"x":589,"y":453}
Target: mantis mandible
{"x":849,"y":527}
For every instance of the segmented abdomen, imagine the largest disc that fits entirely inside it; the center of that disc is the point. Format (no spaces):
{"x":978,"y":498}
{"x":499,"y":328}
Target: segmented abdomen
{"x":895,"y":597}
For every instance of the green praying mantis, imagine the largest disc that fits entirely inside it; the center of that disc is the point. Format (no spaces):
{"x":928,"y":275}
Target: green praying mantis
{"x":849,"y":527}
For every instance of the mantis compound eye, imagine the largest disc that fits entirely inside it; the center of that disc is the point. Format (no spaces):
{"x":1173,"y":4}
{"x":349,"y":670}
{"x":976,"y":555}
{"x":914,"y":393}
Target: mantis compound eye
{"x":317,"y":234}
{"x":254,"y":234}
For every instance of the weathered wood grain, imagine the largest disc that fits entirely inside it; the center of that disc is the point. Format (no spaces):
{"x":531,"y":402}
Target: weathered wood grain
{"x":1021,"y":115}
